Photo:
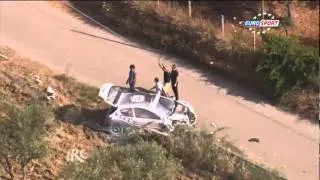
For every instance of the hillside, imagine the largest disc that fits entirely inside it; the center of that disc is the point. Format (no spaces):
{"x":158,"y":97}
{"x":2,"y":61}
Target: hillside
{"x":22,"y":81}
{"x":18,"y":85}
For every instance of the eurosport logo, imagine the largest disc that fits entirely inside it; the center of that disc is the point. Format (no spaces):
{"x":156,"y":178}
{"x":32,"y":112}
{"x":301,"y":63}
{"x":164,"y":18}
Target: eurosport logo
{"x":262,"y":23}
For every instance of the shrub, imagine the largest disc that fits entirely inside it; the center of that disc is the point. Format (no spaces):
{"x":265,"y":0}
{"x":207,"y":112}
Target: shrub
{"x":81,"y":93}
{"x":21,"y":137}
{"x":200,"y":153}
{"x":304,"y":102}
{"x":134,"y":161}
{"x":287,"y":65}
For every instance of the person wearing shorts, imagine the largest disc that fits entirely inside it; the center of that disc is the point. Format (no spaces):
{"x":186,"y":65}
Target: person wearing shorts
{"x":166,"y":79}
{"x":158,"y":86}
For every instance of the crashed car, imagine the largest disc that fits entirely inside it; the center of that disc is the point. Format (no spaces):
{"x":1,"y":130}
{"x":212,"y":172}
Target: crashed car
{"x":139,"y":109}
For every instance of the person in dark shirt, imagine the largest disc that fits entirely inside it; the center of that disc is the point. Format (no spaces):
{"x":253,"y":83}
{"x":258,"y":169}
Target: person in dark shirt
{"x":174,"y":81}
{"x":166,"y":78}
{"x":132,"y":79}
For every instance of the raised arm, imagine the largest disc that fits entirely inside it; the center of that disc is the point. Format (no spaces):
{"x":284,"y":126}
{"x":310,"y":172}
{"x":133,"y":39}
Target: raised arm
{"x":161,"y":65}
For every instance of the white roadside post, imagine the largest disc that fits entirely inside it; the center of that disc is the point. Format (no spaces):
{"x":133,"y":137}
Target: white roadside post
{"x":222,"y":24}
{"x":254,"y":39}
{"x":190,"y":10}
{"x":262,"y":11}
{"x":158,"y":3}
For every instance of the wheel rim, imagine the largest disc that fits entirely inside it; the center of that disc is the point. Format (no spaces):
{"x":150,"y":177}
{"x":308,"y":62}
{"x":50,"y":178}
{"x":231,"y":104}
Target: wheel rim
{"x":116,"y":129}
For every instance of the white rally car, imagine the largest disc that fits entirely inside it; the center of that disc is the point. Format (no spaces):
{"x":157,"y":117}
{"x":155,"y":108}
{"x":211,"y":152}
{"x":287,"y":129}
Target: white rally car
{"x":141,"y":109}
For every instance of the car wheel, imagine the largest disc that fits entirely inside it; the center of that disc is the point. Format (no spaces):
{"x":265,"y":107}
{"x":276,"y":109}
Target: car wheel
{"x":116,"y":128}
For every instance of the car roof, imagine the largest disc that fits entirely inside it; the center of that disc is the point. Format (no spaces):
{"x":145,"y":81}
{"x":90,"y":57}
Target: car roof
{"x":163,"y":107}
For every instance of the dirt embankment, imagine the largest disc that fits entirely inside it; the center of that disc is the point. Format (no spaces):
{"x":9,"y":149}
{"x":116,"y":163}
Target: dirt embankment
{"x":18,"y":84}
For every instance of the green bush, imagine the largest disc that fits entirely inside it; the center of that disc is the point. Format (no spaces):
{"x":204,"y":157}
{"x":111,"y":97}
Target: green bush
{"x":288,"y":65}
{"x":21,"y":138}
{"x":142,"y":160}
{"x":200,"y":153}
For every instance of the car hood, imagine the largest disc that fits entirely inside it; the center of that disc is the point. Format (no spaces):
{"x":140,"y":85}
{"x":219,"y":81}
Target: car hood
{"x":178,"y":117}
{"x":188,"y":105}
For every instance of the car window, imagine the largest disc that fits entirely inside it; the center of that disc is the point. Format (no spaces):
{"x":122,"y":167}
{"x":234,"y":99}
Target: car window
{"x":127,"y":112}
{"x":113,"y":94}
{"x":167,"y":103}
{"x":142,"y":113}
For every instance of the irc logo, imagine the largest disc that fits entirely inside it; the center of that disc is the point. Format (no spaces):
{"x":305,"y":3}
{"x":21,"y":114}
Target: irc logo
{"x":76,"y":155}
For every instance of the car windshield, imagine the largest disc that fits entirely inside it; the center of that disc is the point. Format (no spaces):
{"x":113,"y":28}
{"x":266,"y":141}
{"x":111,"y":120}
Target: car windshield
{"x":167,"y":103}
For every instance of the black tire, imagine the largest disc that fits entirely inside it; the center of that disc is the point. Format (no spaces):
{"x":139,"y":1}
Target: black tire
{"x":115,"y":129}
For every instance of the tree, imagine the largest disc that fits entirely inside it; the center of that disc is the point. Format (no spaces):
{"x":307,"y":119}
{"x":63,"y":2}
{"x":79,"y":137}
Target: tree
{"x":287,"y":65}
{"x":287,"y":20}
{"x":289,"y":12}
{"x":21,"y":137}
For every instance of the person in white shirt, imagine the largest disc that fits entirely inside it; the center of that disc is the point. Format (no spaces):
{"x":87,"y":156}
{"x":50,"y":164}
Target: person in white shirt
{"x":158,"y":86}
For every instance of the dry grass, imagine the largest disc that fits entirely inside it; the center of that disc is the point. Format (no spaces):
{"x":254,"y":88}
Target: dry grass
{"x":306,"y":19}
{"x":305,"y":103}
{"x":18,"y":86}
{"x":205,"y":17}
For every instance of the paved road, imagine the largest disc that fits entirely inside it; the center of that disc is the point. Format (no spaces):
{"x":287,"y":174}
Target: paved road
{"x":49,"y":35}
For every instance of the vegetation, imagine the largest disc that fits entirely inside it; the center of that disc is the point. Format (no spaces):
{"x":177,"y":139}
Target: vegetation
{"x":84,"y":94}
{"x":150,"y":156}
{"x":134,"y":161}
{"x":288,"y":65}
{"x":21,"y":139}
{"x":290,"y":72}
{"x":203,"y":155}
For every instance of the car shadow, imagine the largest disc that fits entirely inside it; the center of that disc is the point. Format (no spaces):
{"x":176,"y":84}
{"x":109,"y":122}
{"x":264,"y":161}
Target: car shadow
{"x":91,"y":118}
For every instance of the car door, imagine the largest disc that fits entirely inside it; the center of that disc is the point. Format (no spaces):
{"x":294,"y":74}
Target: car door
{"x":144,"y":117}
{"x":126,"y":115}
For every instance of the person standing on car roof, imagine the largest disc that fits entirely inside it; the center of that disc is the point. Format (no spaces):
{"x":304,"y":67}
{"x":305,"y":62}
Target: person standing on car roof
{"x":158,"y":86}
{"x":174,"y":81}
{"x":166,"y":78}
{"x":132,"y":79}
